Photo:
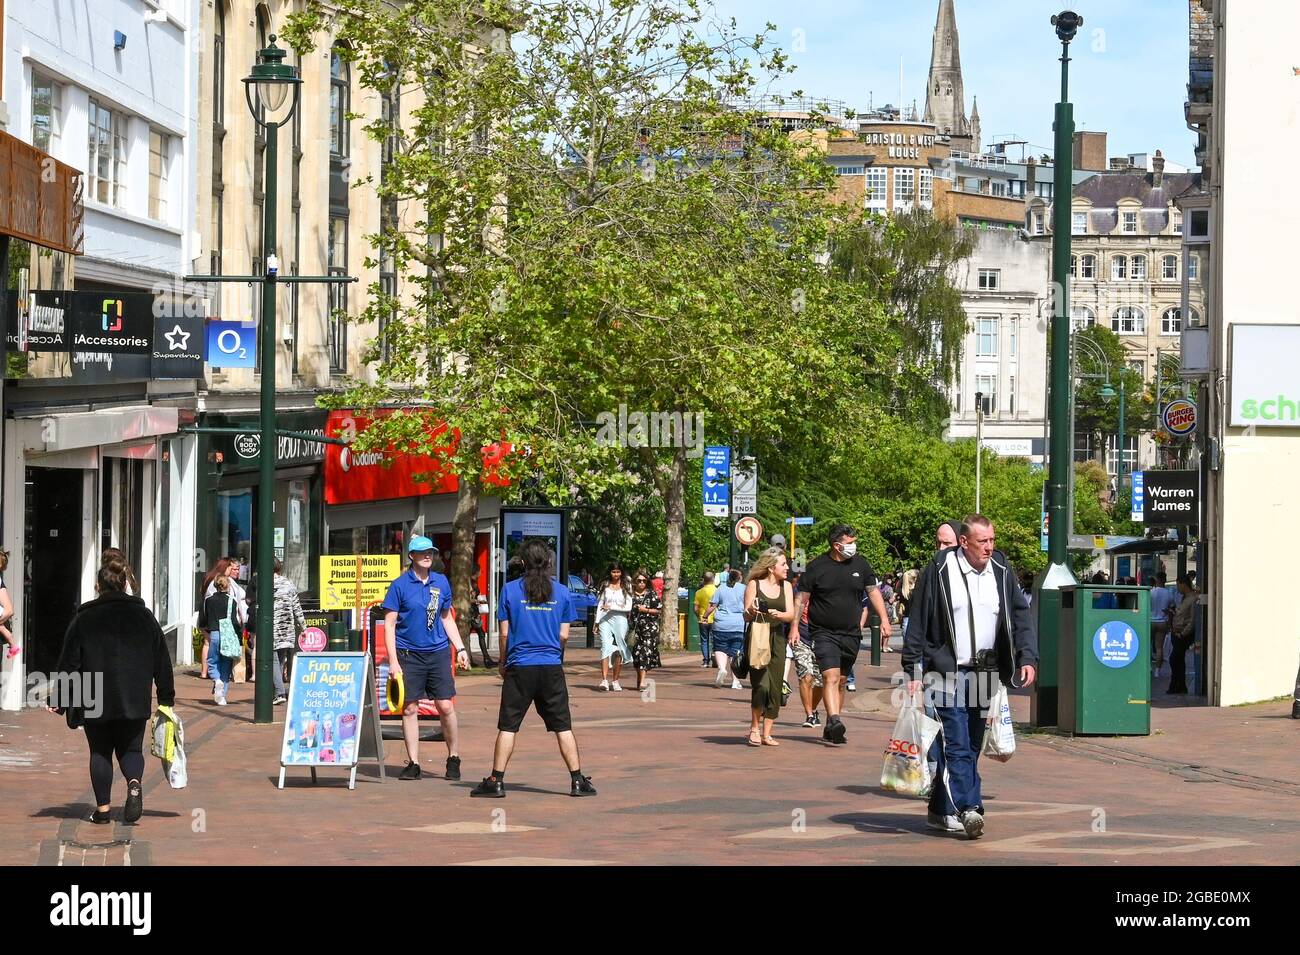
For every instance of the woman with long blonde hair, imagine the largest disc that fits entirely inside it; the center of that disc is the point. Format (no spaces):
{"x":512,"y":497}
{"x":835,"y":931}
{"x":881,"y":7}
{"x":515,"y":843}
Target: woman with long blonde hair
{"x":768,"y":599}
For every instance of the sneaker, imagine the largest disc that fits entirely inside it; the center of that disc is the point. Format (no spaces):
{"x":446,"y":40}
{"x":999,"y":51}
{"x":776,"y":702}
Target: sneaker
{"x":134,"y":802}
{"x":852,"y":687}
{"x":99,"y":818}
{"x":785,"y":693}
{"x":13,"y":652}
{"x":737,"y":685}
{"x":1295,"y":710}
{"x":972,"y":820}
{"x":836,"y":733}
{"x":812,"y":719}
{"x":615,"y":687}
{"x":582,"y":787}
{"x":604,"y":685}
{"x":491,"y":787}
{"x":453,"y":767}
{"x":943,"y":823}
{"x":412,"y":771}
{"x":705,"y":664}
{"x":279,"y":699}
{"x":216,"y":692}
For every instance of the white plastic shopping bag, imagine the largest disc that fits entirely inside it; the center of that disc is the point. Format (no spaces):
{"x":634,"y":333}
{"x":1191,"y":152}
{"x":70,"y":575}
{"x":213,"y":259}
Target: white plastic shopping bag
{"x":1000,"y":737}
{"x":907,"y":769}
{"x":168,"y":744}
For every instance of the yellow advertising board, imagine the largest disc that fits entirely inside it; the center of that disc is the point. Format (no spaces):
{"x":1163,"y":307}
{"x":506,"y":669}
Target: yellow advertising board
{"x":356,"y":580}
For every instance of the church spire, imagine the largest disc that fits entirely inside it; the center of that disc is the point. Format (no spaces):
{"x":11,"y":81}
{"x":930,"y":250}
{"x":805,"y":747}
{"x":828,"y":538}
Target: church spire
{"x":945,"y":98}
{"x":976,"y":143}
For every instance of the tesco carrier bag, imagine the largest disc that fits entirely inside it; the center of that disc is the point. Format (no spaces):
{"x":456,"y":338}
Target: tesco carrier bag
{"x":906,"y":769}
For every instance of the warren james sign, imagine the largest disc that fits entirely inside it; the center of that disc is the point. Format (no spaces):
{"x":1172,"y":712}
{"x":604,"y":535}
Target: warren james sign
{"x":1171,"y":498}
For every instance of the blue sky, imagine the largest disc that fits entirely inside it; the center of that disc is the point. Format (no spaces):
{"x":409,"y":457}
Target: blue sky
{"x":1128,"y":69}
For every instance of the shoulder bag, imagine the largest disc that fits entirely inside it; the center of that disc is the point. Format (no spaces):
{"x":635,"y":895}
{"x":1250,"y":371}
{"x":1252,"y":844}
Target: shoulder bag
{"x":231,"y":645}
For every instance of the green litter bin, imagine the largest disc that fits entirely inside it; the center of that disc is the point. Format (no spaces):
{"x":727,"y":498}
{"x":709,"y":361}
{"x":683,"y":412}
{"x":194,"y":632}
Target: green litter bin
{"x":1105,"y":660}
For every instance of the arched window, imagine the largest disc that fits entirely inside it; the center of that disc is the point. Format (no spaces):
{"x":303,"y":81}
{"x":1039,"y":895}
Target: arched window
{"x":1128,"y":320}
{"x":1193,"y":316}
{"x":1118,"y":267}
{"x":1169,"y":268}
{"x":1171,"y":322}
{"x":1138,"y":268}
{"x":340,"y":87}
{"x":1088,"y":267}
{"x":1081,"y":317}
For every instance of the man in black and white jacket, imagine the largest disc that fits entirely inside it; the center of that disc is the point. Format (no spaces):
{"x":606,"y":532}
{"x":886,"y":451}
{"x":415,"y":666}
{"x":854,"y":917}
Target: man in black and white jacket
{"x":971,"y":620}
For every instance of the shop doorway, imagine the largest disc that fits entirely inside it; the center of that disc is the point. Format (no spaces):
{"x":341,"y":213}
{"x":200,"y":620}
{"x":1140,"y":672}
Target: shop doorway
{"x":52,"y":576}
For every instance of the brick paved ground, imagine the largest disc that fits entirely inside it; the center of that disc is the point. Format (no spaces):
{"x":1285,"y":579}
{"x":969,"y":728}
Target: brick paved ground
{"x":677,"y":785}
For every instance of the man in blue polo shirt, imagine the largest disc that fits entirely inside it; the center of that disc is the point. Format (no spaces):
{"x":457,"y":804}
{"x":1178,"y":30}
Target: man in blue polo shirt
{"x":419,"y":633}
{"x":534,"y":615}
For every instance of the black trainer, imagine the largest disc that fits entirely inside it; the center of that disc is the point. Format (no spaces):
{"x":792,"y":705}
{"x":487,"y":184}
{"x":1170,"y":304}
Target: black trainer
{"x":836,"y":733}
{"x":453,"y":767}
{"x":412,"y":771}
{"x":99,"y":818}
{"x":134,"y":802}
{"x":490,"y":787}
{"x":812,"y":720}
{"x":582,"y":787}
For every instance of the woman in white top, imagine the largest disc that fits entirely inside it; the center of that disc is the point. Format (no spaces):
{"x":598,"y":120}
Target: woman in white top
{"x":224,"y":567}
{"x":612,"y":615}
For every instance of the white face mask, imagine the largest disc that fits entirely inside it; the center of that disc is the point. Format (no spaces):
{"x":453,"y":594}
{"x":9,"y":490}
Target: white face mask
{"x":848,"y":550}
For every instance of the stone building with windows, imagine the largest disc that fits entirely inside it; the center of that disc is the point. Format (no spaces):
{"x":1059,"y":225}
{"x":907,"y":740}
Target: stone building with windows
{"x":1128,"y":271}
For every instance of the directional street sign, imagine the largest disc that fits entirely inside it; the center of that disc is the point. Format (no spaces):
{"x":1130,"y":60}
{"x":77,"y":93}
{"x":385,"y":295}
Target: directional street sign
{"x":744,"y":499}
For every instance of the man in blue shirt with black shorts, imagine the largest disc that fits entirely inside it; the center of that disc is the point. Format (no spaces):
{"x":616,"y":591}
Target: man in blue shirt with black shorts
{"x":534,"y":615}
{"x":419,"y":633}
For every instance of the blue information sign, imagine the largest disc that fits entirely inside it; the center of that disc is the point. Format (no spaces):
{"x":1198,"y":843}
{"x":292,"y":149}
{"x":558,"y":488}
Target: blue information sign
{"x":1116,"y":644}
{"x":717,"y":482}
{"x":1139,"y":495}
{"x":804,"y":521}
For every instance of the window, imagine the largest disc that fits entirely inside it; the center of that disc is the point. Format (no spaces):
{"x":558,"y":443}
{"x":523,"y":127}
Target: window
{"x":904,"y":187}
{"x":997,"y":187}
{"x":1018,"y":188}
{"x":337,"y":254}
{"x":986,"y":337}
{"x":1011,"y":340}
{"x":1074,"y":266}
{"x":1171,"y":322}
{"x":47,"y":102}
{"x":158,"y":159}
{"x":1118,"y":267}
{"x":849,"y":170}
{"x":925,"y":188}
{"x":219,"y":65}
{"x":1178,"y":222}
{"x":1138,"y":268}
{"x":877,"y":188}
{"x":218,"y":133}
{"x":1128,"y":320}
{"x":1193,"y":267}
{"x":987,"y":386}
{"x":1011,"y":395}
{"x":1038,"y":224}
{"x":1129,"y":222}
{"x":107,"y":160}
{"x":339,"y":105}
{"x":1169,"y":268}
{"x":1200,"y":225}
{"x":1140,"y":367}
{"x":1079,"y":223}
{"x":1193,"y":317}
{"x":990,"y":280}
{"x":1130,"y":454}
{"x":1081,"y":317}
{"x":1088,"y":267}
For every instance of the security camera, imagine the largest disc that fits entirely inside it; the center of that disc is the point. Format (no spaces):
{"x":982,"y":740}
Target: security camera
{"x":1067,"y":24}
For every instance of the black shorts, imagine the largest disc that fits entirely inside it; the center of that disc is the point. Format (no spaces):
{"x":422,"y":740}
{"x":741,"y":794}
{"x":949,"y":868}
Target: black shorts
{"x":426,"y":675}
{"x":834,"y":649}
{"x":543,"y":687}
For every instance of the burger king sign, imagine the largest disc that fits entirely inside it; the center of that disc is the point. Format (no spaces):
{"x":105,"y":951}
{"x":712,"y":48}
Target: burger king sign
{"x":1179,"y":417}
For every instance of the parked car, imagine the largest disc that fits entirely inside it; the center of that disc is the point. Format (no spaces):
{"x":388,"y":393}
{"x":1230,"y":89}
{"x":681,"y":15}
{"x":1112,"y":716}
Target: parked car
{"x":584,"y":598}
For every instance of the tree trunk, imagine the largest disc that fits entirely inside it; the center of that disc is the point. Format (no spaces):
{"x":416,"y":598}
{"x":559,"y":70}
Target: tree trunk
{"x":675,"y":518}
{"x":464,"y":572}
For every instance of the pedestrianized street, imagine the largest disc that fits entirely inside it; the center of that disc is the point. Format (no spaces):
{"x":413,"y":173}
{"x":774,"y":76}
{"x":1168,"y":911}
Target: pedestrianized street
{"x":677,"y":785}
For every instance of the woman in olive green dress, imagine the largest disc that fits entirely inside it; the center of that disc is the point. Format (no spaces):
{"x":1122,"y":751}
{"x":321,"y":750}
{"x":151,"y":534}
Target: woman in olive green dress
{"x":768,"y":597}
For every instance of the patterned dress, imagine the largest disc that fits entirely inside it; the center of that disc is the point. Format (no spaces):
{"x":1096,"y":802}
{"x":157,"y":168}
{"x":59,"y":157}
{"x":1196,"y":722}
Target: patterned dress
{"x":645,"y":653}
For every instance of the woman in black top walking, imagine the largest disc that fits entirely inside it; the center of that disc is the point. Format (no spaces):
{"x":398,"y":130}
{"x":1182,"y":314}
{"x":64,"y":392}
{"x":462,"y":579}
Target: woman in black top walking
{"x":114,"y":653}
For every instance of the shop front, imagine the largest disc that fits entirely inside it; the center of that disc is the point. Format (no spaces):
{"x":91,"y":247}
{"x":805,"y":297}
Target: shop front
{"x":229,"y":489}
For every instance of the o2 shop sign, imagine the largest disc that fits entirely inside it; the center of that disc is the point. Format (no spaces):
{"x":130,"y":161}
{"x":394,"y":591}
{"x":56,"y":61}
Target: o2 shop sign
{"x":232,"y":345}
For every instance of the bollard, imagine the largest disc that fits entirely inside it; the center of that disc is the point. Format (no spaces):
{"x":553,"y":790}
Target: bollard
{"x":354,"y":640}
{"x":338,"y":636}
{"x":873,"y":621}
{"x":591,"y":627}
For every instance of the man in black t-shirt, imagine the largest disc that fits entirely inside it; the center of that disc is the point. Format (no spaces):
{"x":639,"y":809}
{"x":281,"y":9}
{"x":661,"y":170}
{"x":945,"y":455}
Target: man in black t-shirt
{"x":832,"y":587}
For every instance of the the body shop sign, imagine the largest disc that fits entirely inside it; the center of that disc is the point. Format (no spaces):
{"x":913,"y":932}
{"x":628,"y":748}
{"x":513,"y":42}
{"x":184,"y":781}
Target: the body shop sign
{"x":1264,"y":390}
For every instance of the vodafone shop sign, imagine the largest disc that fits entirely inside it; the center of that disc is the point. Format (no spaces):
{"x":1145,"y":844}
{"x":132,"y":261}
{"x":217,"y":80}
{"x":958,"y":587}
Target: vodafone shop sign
{"x":355,"y":476}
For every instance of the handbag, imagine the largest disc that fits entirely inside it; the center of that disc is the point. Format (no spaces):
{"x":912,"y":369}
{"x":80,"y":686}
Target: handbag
{"x":739,"y":662}
{"x":231,"y":645}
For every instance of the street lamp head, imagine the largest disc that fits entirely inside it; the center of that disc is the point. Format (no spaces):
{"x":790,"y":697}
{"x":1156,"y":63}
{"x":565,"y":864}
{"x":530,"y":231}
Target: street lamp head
{"x":1107,"y":391}
{"x":1067,"y":24}
{"x":272,"y":87}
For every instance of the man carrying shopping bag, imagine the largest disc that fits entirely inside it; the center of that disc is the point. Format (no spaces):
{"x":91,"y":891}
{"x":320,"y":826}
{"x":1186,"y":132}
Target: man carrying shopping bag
{"x":970,"y":632}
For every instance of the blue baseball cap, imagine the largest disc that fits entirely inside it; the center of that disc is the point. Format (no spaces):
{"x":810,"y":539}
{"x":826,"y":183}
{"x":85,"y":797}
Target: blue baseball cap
{"x":419,"y":544}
